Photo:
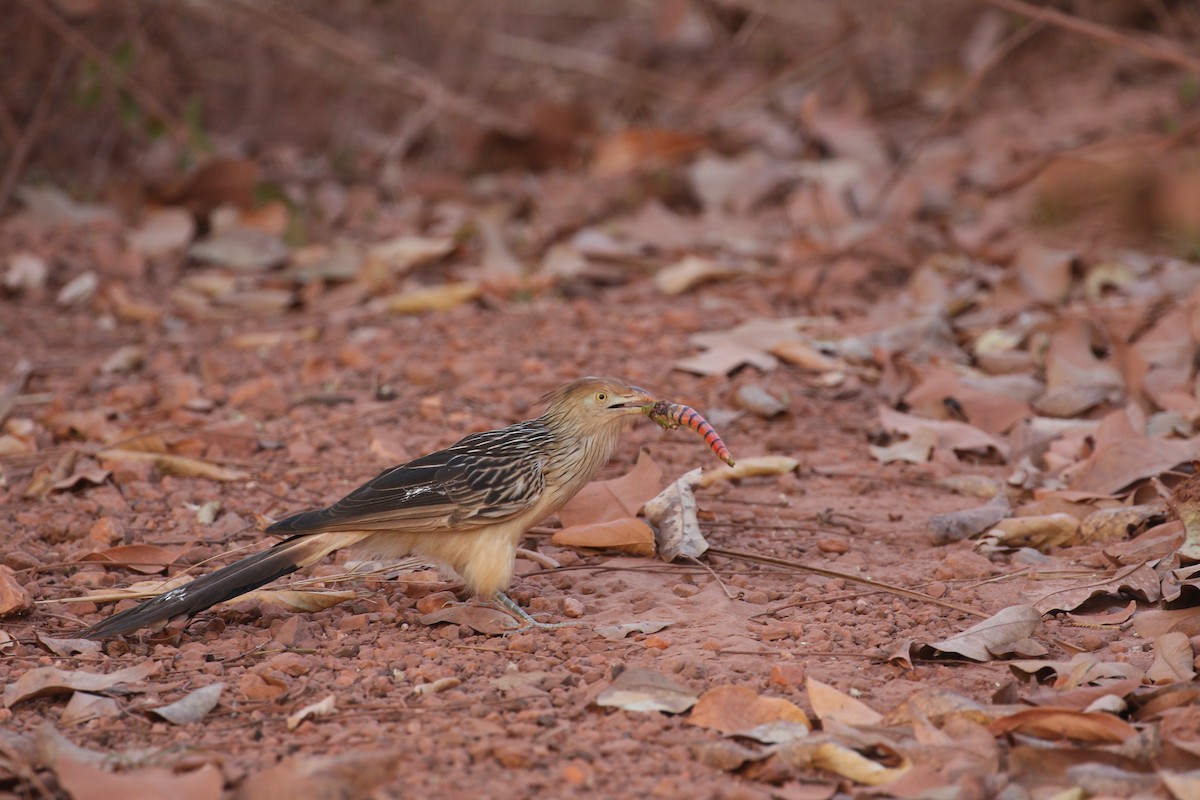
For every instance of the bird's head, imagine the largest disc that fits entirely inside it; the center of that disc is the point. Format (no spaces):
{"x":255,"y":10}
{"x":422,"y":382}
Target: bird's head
{"x":597,"y":402}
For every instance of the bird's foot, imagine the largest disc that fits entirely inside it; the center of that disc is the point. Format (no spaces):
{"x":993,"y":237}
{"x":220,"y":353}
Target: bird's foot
{"x":527,"y":622}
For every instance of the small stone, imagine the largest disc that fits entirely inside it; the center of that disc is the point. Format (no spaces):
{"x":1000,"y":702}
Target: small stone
{"x":264,"y":395}
{"x":353,"y":622}
{"x":685,"y":590}
{"x":936,"y":589}
{"x":572,"y":607}
{"x":26,"y":273}
{"x":513,"y":755}
{"x":788,"y":675}
{"x":435,"y":602}
{"x":829,"y":545}
{"x":106,"y":532}
{"x":773,"y":633}
{"x":1092,"y":640}
{"x":13,"y":597}
{"x":755,"y":597}
{"x":259,"y":687}
{"x":577,"y":774}
{"x":656,"y":642}
{"x":712,"y":644}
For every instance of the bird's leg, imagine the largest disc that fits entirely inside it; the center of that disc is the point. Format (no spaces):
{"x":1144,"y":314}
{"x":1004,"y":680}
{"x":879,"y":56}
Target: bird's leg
{"x":505,"y":602}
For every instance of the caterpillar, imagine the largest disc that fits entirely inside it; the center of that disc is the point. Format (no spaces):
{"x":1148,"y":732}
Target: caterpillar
{"x":671,"y":415}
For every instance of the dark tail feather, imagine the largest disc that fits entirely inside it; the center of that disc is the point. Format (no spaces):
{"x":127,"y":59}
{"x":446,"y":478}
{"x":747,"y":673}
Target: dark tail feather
{"x":208,"y":590}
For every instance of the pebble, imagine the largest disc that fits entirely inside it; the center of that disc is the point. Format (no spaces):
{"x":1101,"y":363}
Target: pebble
{"x":571,"y":607}
{"x":13,"y":597}
{"x":829,"y":545}
{"x":787,"y":675}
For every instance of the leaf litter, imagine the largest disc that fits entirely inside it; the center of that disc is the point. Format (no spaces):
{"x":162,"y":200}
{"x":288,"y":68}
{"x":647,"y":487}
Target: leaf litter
{"x":1059,"y":370}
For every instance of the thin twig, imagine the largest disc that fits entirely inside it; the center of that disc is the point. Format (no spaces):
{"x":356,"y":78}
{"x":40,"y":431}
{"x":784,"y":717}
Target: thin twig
{"x":74,"y":39}
{"x":1154,"y":48}
{"x":586,"y":61}
{"x":32,"y":134}
{"x":994,"y":58}
{"x":392,"y":73}
{"x":714,"y":575}
{"x":20,"y":373}
{"x":832,"y":573}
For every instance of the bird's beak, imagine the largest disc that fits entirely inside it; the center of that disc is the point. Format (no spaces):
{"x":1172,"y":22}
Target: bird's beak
{"x":636,"y":400}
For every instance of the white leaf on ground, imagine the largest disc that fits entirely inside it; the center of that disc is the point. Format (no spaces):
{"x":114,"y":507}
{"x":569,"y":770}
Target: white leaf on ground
{"x":193,"y":706}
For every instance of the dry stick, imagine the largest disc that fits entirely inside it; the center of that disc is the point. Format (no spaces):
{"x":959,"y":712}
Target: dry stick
{"x":21,"y":373}
{"x":396,"y":74}
{"x":588,"y":62}
{"x":1154,"y":48}
{"x":994,"y":58}
{"x":832,"y":573}
{"x":714,"y":575}
{"x":78,"y":41}
{"x":29,"y":139}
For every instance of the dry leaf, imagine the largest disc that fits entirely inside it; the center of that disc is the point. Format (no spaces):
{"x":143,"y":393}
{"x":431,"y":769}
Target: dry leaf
{"x":432,"y":298}
{"x":830,"y":704}
{"x":749,"y":468}
{"x":627,"y":535}
{"x":1173,"y":659}
{"x":322,"y":708}
{"x":982,"y":642}
{"x":619,"y":498}
{"x":145,"y":558}
{"x":1110,"y":469}
{"x":240,"y":250}
{"x":135,"y":591}
{"x":693,"y":271}
{"x":389,"y":259}
{"x":733,"y":709}
{"x":1113,"y":524}
{"x":439,"y":685}
{"x":355,"y":774}
{"x":1182,"y":785}
{"x":297,"y":599}
{"x":85,"y":782}
{"x":916,"y":449}
{"x":182,"y":466}
{"x":1154,"y":623}
{"x":801,"y":354}
{"x":1185,"y":502}
{"x":957,"y":525}
{"x":84,"y":707}
{"x":479,"y":618}
{"x":618,"y":632}
{"x":44,"y":681}
{"x":841,"y":760}
{"x":69,"y":647}
{"x":758,"y":401}
{"x":644,"y":690}
{"x":1065,"y":723}
{"x":1040,"y":532}
{"x":673,"y":514}
{"x":1139,"y":581}
{"x":636,"y":149}
{"x":724,"y":359}
{"x":1083,"y":669}
{"x":163,"y":231}
{"x":193,"y":706}
{"x":951,"y":436}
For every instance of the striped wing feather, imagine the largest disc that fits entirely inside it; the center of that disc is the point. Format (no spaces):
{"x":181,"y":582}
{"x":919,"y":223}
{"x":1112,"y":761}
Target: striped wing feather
{"x":485,"y":478}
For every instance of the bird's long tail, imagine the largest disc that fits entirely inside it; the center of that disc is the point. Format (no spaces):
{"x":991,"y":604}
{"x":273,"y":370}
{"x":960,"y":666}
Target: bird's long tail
{"x":224,"y":584}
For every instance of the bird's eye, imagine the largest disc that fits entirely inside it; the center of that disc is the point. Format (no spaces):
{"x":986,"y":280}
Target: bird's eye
{"x":601,"y":396}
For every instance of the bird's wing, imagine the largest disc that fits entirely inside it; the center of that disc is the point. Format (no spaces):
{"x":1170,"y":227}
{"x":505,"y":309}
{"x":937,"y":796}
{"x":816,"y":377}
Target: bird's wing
{"x":485,"y":478}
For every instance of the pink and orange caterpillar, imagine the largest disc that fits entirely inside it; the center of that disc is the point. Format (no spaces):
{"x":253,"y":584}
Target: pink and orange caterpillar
{"x":672,"y":415}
